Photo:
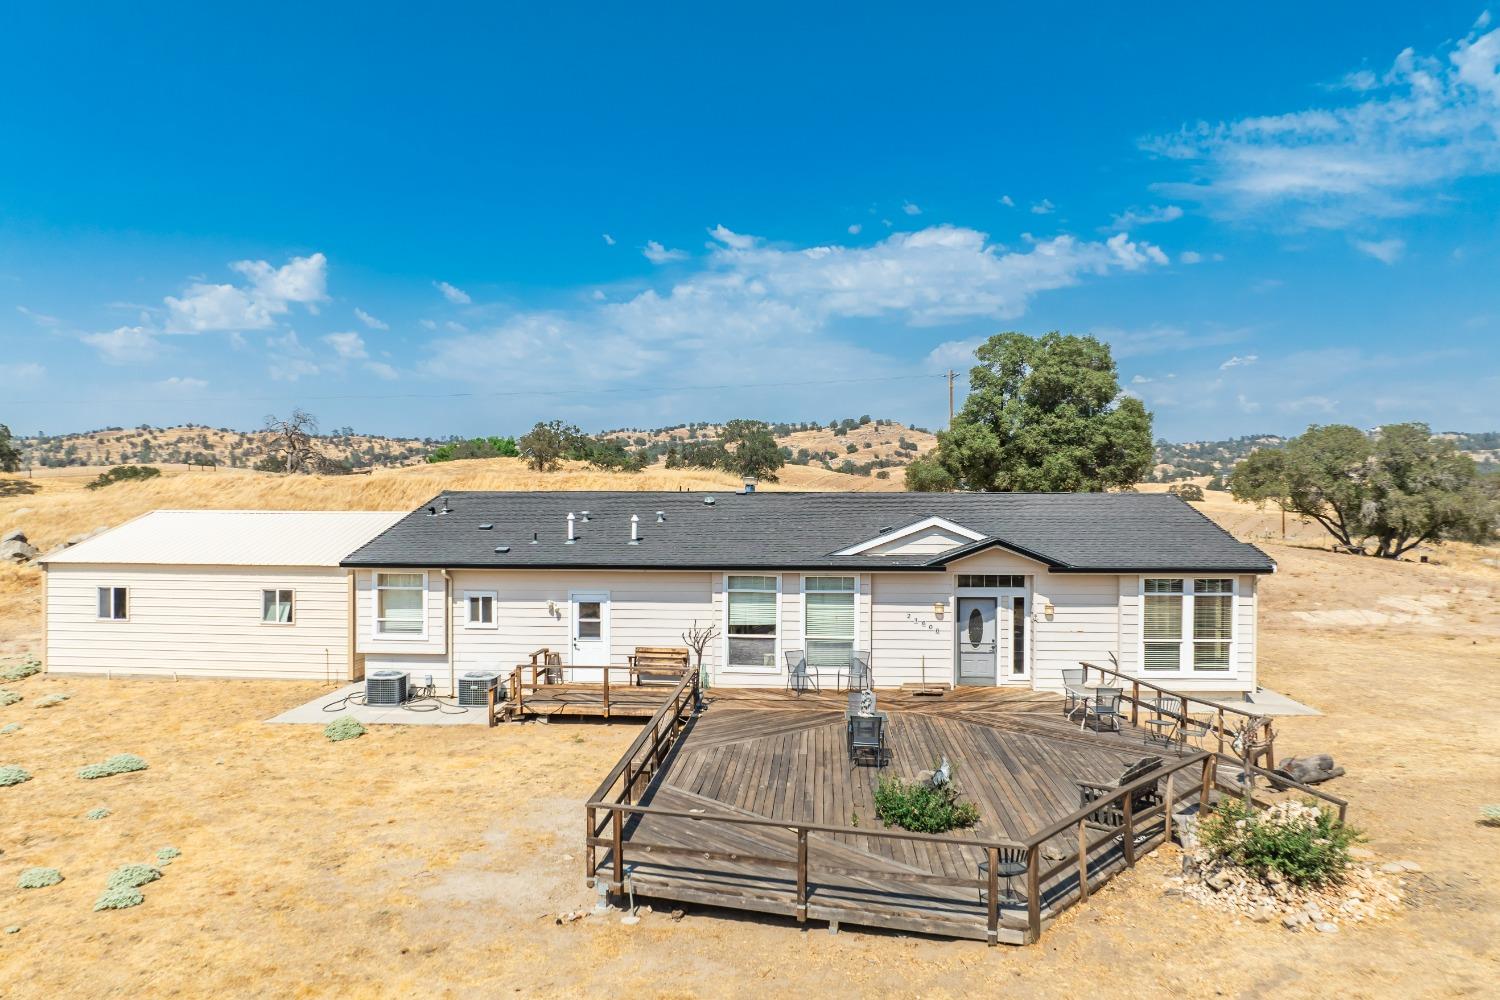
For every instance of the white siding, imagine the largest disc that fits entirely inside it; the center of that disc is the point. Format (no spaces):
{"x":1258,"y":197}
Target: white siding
{"x":198,"y":621}
{"x":904,"y":631}
{"x":928,"y":542}
{"x":1084,"y":624}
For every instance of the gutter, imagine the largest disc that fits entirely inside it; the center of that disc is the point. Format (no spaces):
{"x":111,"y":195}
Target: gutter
{"x":448,"y":633}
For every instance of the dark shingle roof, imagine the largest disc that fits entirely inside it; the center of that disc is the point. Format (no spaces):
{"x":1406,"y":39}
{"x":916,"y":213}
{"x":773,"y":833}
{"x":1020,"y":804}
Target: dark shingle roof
{"x":1071,"y":532}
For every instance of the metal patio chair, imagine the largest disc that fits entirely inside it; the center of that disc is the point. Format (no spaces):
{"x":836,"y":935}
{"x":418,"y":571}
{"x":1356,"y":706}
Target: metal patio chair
{"x":1074,"y":693}
{"x":860,"y":676}
{"x":1104,"y":709}
{"x":866,"y":738}
{"x":1012,"y":865}
{"x":800,"y":675}
{"x":1166,"y":723}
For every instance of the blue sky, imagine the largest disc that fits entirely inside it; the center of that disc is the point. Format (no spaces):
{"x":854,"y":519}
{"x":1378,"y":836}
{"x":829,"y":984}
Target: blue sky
{"x":469,"y":219}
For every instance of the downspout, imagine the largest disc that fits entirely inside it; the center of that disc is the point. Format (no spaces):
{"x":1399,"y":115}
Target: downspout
{"x":448,"y":633}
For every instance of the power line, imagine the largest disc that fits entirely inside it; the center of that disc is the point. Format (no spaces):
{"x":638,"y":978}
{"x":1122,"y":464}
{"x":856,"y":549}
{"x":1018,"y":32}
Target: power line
{"x":655,"y":389}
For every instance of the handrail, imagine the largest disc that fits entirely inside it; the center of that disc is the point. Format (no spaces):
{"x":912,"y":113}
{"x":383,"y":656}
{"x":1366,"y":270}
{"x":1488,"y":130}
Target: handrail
{"x":1084,"y":812}
{"x":1278,"y":778}
{"x":1221,"y":732}
{"x":688,"y":680}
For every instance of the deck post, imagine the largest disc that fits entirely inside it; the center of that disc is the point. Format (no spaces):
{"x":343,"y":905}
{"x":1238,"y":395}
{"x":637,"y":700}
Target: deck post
{"x":1208,"y":784}
{"x":619,"y":850}
{"x":1220,"y":728}
{"x":992,"y":894}
{"x":1083,"y":861}
{"x":801,"y":875}
{"x":489,"y":699}
{"x":1135,"y":703}
{"x":1167,"y":810}
{"x":629,"y":784}
{"x":591,"y":853}
{"x":1033,"y":894}
{"x":1127,"y":807}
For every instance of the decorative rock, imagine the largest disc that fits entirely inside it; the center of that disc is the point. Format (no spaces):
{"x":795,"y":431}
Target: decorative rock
{"x":1219,"y":881}
{"x":1294,"y":921}
{"x":19,"y":551}
{"x":1393,"y":868}
{"x":14,"y":535}
{"x":630,"y":920}
{"x":1326,"y":927}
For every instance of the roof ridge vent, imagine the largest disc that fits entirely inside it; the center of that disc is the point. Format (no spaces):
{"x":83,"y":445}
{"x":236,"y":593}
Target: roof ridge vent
{"x":661,"y":517}
{"x":709,"y":501}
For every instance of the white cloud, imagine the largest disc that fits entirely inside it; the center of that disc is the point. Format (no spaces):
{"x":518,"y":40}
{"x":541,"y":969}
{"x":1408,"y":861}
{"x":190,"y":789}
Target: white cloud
{"x":381,"y":370}
{"x":1007,"y":201}
{"x":288,"y":359}
{"x":182,"y":383}
{"x":125,"y":345}
{"x":1387,"y":251}
{"x":40,"y":319}
{"x":348,"y":346}
{"x":370,"y":321}
{"x":270,"y":293}
{"x":1429,"y":120}
{"x":732,"y":239}
{"x":855,"y":228}
{"x":1190,"y":257}
{"x":609,"y":240}
{"x":25,"y":371}
{"x":954,"y":354}
{"x":1043,"y":207}
{"x":1239,"y":360}
{"x":428,"y":324}
{"x":789,"y":311}
{"x":1309,"y":404}
{"x":658,"y":254}
{"x":1146,"y":216}
{"x":1247,"y":404}
{"x":1162,"y":338}
{"x":911,"y":209}
{"x":452,"y":293}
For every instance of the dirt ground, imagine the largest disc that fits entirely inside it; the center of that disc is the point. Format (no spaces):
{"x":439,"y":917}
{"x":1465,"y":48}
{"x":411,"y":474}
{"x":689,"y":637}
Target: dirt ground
{"x":435,"y":861}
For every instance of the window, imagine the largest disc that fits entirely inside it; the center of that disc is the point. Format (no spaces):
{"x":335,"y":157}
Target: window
{"x":479,"y":609}
{"x":113,"y":604}
{"x":751,"y":628}
{"x":1189,"y":625}
{"x":828,"y":622}
{"x":590,"y":619}
{"x":990,"y":581}
{"x":276,"y":607}
{"x":401,"y":604}
{"x":1018,"y":636}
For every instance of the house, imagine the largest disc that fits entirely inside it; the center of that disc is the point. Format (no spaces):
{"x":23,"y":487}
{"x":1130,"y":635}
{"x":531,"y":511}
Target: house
{"x":983,"y":589}
{"x":222,"y":593}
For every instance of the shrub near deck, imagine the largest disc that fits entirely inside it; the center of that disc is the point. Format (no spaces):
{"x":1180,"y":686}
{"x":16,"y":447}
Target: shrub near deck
{"x":921,"y":808}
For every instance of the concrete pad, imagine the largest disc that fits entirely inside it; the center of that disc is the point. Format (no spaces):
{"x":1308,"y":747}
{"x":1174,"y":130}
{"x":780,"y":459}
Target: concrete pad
{"x":1262,"y":700}
{"x":347,"y":701}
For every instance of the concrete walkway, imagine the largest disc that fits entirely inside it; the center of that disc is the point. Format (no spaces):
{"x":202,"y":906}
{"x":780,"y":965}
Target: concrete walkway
{"x":346,"y":701}
{"x":1263,"y":700}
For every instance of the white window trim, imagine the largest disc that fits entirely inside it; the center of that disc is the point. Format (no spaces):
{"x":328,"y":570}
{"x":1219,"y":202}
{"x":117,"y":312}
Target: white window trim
{"x":494,"y":597}
{"x":925,"y":524}
{"x":802,"y":604}
{"x":779,"y":668}
{"x":277,"y":590}
{"x":375,"y":588}
{"x":1185,"y":657}
{"x":129,"y":603}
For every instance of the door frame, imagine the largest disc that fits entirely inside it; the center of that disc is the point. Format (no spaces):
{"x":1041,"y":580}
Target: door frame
{"x":574,"y":598}
{"x":1003,"y":677}
{"x":959,"y":627}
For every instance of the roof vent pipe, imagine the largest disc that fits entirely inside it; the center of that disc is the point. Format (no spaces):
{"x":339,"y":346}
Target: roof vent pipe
{"x":635,"y":529}
{"x":585,"y":515}
{"x":446,"y":509}
{"x":661,"y":517}
{"x":571,"y":538}
{"x":749,"y":484}
{"x":533,"y":538}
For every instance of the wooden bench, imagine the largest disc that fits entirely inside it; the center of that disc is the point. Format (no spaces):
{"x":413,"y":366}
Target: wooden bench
{"x":658,"y":664}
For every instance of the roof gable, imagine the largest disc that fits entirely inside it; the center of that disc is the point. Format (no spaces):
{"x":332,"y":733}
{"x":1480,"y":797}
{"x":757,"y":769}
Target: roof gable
{"x":934,"y":527}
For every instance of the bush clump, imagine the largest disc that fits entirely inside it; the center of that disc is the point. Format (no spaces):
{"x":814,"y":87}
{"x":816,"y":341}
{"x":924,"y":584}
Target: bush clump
{"x":346,"y":728}
{"x":98,"y":813}
{"x":13,"y":774}
{"x":8,"y":697}
{"x":120,"y":763}
{"x":921,"y":808}
{"x":132,"y":876}
{"x":20,"y":671}
{"x":39,"y":878}
{"x":1300,"y":842}
{"x":119,"y":899}
{"x":120,"y":473}
{"x":167,"y":855}
{"x":56,"y":698}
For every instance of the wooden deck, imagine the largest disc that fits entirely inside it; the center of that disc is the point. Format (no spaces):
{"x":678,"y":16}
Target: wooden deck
{"x":588,"y":701}
{"x":756,"y":806}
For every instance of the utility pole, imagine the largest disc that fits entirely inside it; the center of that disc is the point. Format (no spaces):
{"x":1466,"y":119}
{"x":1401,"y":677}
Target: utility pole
{"x":950,"y":399}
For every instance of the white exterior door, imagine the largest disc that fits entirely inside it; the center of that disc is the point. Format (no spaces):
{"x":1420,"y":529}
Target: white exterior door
{"x":590,"y":628}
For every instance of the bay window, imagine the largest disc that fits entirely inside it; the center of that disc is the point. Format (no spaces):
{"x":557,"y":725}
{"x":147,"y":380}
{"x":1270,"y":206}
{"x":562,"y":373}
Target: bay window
{"x":752,"y":621}
{"x":401,"y":605}
{"x":1187,"y":625}
{"x":828,"y":620}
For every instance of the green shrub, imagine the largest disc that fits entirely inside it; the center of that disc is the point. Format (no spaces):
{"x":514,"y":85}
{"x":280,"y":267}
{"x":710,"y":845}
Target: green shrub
{"x":19,"y":671}
{"x":98,"y":813}
{"x":10,"y":727}
{"x":120,"y":473}
{"x":132,"y":876}
{"x":1298,"y":841}
{"x":919,"y":807}
{"x":39,"y":878}
{"x":56,"y":698}
{"x":120,"y":763}
{"x":167,"y":855}
{"x":119,"y":899}
{"x":8,"y":697}
{"x":13,"y":774}
{"x":346,"y":728}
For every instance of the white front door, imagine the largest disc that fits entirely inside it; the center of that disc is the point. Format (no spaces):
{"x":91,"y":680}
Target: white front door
{"x":590,"y":628}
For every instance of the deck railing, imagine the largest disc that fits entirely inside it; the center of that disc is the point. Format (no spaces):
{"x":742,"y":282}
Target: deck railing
{"x":1214,"y":714}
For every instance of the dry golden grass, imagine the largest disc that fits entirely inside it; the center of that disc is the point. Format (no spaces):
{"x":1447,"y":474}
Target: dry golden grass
{"x":433,"y":862}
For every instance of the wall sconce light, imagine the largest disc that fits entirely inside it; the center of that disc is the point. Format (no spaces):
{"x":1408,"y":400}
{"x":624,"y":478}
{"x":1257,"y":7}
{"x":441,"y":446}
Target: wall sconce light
{"x":552,"y":608}
{"x":938,"y":607}
{"x":1048,"y":610}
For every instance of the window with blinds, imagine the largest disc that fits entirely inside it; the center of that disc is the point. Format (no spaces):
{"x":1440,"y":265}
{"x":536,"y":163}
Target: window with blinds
{"x":1188,"y":624}
{"x":400,"y":604}
{"x":829,"y":621}
{"x":752,"y":621}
